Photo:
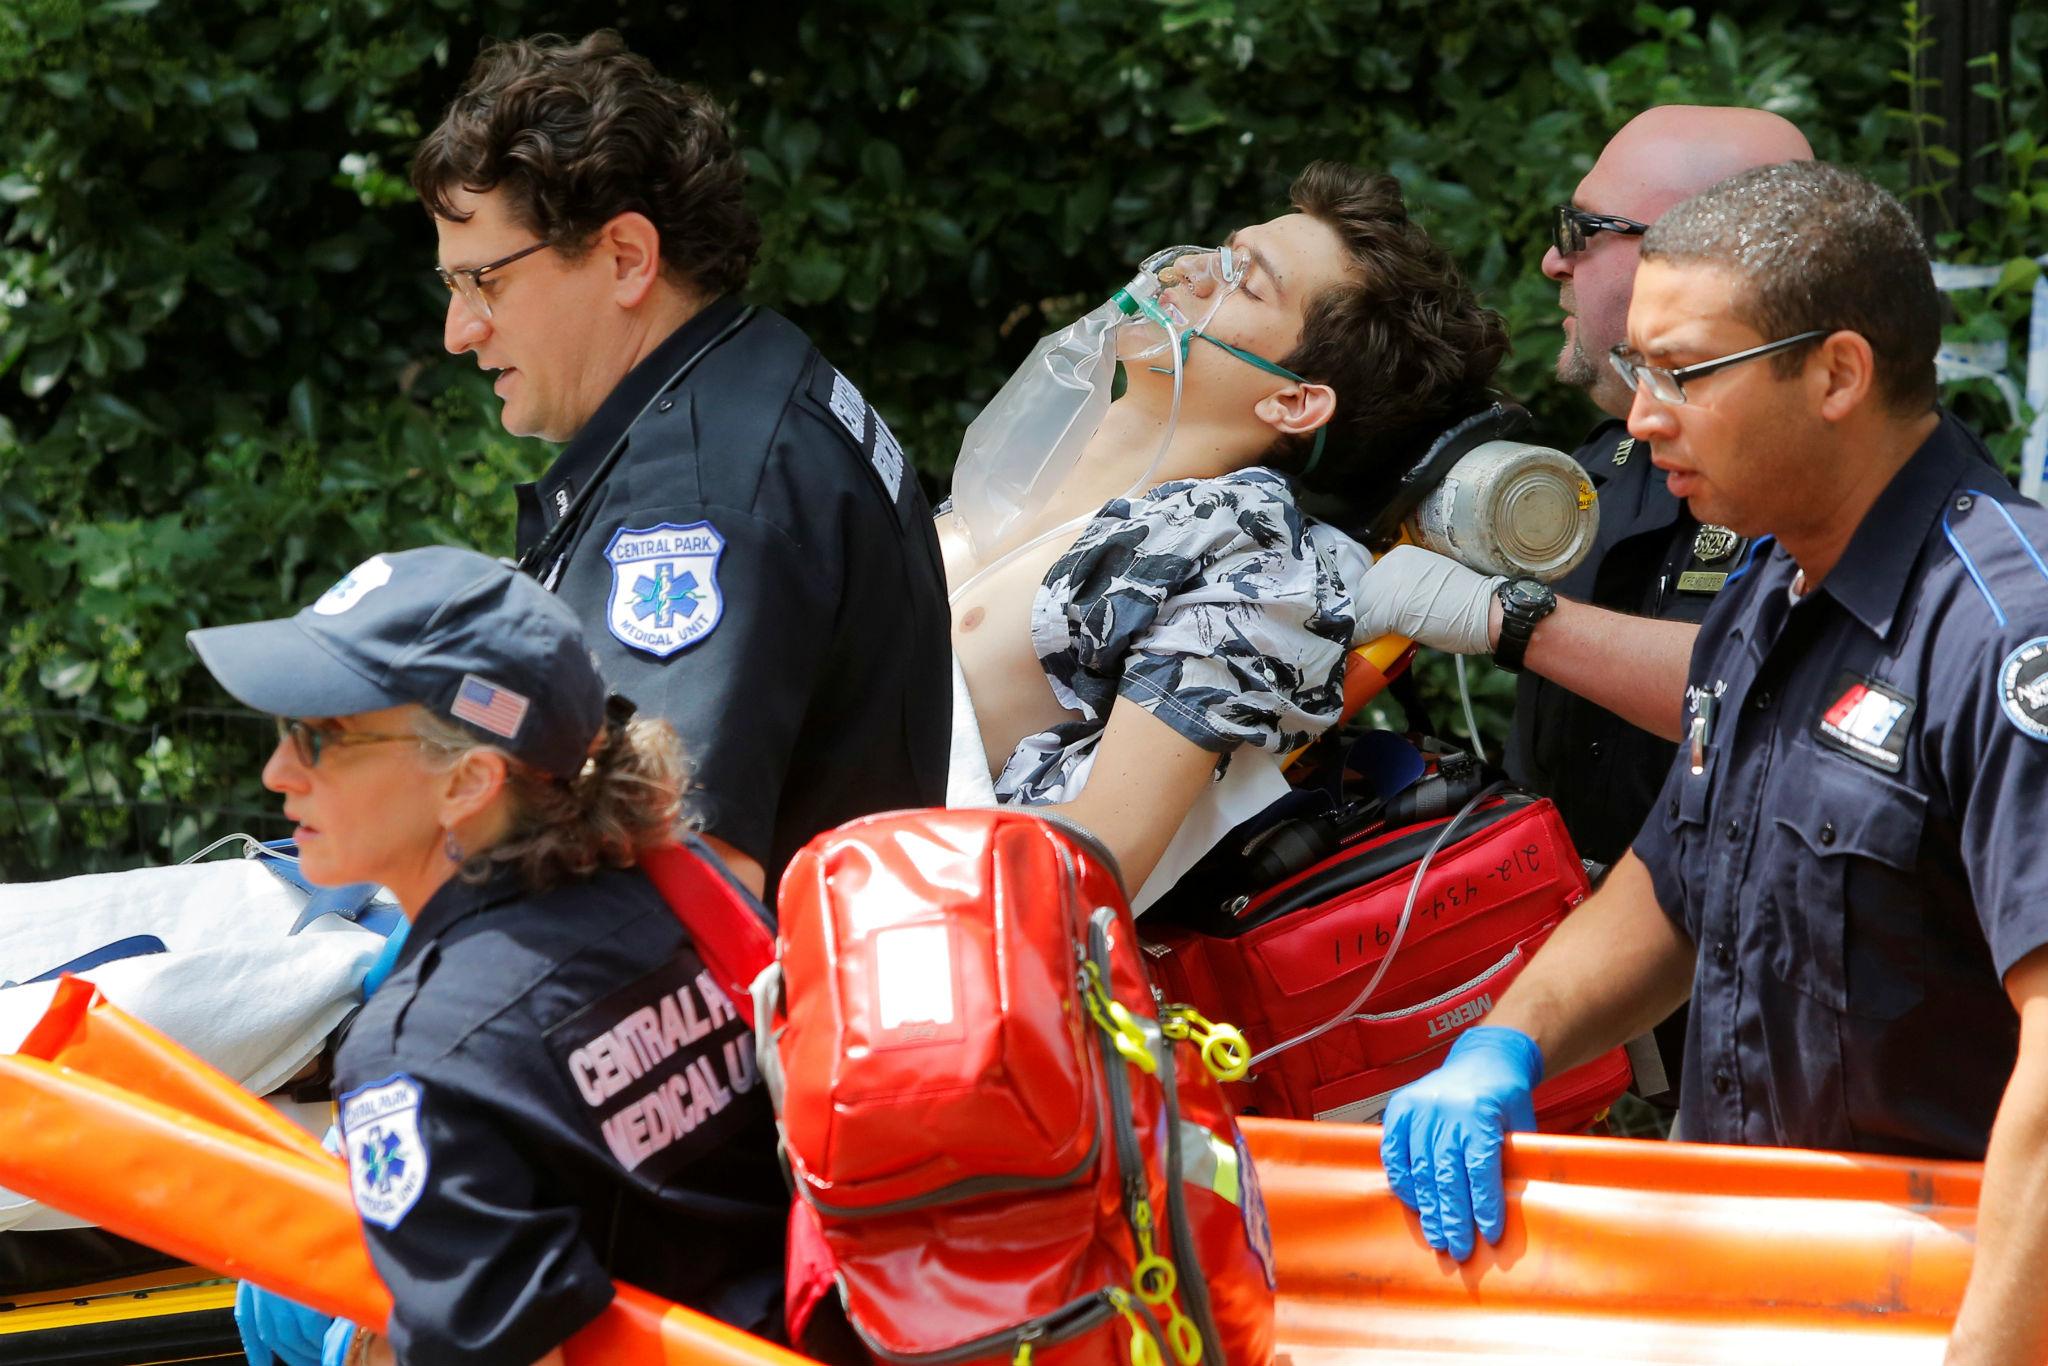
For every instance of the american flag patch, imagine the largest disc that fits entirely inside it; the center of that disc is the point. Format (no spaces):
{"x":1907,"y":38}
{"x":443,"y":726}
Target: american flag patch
{"x":495,"y":709}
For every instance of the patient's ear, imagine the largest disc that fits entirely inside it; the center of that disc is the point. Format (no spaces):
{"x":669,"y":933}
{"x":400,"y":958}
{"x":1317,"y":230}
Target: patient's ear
{"x":1297,"y":409}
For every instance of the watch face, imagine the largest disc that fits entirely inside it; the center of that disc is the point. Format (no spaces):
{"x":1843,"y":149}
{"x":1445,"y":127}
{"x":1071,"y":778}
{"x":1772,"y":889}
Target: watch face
{"x":1528,"y":593}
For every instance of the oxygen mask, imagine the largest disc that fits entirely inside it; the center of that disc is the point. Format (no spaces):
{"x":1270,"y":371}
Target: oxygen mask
{"x":1021,"y":477}
{"x":1185,"y":287}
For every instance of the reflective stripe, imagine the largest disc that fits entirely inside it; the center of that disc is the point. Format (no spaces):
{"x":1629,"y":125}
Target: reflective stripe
{"x":1209,"y":1162}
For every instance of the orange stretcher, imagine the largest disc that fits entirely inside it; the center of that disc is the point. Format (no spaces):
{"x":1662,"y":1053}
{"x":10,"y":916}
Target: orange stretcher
{"x":1617,"y":1250}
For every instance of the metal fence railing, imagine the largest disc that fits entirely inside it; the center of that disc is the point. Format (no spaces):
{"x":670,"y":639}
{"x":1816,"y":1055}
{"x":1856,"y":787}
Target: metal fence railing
{"x":82,"y":793}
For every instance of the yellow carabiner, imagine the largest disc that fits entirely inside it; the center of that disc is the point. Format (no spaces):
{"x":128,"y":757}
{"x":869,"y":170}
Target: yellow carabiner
{"x":1224,"y":1050}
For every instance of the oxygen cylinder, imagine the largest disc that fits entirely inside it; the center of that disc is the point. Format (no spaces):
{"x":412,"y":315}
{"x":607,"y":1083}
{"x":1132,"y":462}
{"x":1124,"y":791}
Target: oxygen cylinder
{"x":1511,"y":508}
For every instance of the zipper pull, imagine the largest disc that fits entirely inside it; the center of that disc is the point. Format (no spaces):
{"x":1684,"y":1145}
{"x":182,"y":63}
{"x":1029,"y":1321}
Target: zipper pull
{"x":1026,"y":1341}
{"x":1144,"y":1348}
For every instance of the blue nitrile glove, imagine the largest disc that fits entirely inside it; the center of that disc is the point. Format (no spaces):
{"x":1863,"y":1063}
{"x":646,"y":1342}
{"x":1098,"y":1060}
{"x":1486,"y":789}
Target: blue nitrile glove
{"x":334,"y":1350}
{"x":275,"y":1327}
{"x":1444,"y":1133}
{"x":387,"y":959}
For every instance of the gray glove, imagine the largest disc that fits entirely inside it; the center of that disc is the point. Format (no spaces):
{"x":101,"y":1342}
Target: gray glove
{"x":1429,"y":598}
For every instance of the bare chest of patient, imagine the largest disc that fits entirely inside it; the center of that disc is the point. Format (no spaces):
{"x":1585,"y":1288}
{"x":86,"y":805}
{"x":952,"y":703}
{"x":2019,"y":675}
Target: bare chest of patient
{"x":992,"y":640}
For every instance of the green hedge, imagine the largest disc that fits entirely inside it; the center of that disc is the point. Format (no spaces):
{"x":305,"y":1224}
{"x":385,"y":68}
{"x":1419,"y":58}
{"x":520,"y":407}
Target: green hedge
{"x":221,"y":380}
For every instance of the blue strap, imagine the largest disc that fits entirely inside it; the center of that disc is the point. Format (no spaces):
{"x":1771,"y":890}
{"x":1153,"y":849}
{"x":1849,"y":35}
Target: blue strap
{"x":1758,"y":544}
{"x":134,"y":946}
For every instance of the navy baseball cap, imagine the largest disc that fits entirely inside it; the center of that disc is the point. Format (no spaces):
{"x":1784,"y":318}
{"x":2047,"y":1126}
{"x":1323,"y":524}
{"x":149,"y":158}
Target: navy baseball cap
{"x":467,"y":637}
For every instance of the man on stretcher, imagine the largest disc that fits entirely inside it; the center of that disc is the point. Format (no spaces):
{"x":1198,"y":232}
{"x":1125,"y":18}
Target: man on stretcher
{"x":1136,"y":593}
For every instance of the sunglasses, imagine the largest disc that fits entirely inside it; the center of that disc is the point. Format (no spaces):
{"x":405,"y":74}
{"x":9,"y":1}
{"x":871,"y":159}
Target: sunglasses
{"x":309,"y":742}
{"x":1570,"y":227}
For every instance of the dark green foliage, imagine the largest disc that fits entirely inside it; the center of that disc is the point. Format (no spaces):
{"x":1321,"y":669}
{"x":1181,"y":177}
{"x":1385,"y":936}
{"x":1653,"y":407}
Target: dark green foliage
{"x":221,"y":380}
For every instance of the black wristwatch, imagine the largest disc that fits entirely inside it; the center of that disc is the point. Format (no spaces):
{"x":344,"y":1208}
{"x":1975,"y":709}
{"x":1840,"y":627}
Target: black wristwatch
{"x":1523,"y":603}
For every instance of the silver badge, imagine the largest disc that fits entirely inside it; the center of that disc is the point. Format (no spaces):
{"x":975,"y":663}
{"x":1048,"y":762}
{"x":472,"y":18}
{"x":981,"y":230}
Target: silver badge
{"x":1625,"y":448}
{"x":1714,"y":543}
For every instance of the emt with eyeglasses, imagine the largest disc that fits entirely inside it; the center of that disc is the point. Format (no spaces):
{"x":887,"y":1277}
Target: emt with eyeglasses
{"x":1844,"y":866}
{"x":516,"y":1140}
{"x":738,"y":530}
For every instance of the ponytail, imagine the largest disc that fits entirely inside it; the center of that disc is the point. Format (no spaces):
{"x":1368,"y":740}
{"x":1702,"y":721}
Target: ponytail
{"x":628,"y":797}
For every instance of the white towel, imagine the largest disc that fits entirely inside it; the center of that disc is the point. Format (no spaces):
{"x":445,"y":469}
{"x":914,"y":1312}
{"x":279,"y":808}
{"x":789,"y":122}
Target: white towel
{"x":968,"y":782}
{"x":230,"y":982}
{"x":1252,"y":783}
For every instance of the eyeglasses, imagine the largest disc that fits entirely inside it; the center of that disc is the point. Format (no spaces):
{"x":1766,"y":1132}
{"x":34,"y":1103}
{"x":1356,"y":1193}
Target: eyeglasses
{"x":310,"y":742}
{"x":1669,"y":385}
{"x":1570,"y":227}
{"x":468,"y":281}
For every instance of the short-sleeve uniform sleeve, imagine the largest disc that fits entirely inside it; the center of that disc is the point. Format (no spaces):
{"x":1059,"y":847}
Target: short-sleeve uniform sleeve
{"x":1215,"y":605}
{"x":1998,"y":773}
{"x":1676,"y":822}
{"x":478,"y":1271}
{"x":717,"y":621}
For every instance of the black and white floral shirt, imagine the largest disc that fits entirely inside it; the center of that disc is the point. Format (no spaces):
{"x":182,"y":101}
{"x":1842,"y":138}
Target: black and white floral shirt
{"x":1215,"y":604}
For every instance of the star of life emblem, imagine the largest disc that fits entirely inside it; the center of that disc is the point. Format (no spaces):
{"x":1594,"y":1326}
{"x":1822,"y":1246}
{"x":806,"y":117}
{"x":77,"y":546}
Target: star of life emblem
{"x":665,"y":594}
{"x":387,"y":1157}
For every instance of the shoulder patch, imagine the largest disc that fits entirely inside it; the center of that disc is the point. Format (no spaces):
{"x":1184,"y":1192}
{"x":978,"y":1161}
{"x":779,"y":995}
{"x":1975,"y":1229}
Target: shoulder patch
{"x":2023,"y":688}
{"x":659,"y":1064}
{"x":387,"y":1154}
{"x":665,"y":595}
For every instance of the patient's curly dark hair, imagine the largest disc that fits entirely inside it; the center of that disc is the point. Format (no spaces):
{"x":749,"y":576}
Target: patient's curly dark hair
{"x":578,"y":133}
{"x":1405,"y":344}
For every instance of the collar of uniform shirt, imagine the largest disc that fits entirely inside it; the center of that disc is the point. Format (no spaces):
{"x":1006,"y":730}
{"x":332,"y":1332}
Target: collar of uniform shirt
{"x":587,"y":449}
{"x":1871,"y":577}
{"x":1627,"y":505}
{"x":456,"y":899}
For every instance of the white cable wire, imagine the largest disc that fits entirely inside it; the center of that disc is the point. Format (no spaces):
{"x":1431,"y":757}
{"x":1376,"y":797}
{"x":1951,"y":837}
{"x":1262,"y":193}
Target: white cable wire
{"x":1465,"y":696}
{"x":251,"y":848}
{"x":1393,"y":945}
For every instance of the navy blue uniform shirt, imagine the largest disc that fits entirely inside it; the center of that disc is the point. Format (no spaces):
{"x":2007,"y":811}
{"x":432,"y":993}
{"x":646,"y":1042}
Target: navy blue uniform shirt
{"x":548,"y":1093}
{"x":759,"y":568}
{"x":1858,"y":862}
{"x":1651,"y":558}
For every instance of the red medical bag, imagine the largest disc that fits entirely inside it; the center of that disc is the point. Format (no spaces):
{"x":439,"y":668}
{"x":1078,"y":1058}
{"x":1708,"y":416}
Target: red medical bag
{"x":1006,"y":1155}
{"x":1282,"y":962}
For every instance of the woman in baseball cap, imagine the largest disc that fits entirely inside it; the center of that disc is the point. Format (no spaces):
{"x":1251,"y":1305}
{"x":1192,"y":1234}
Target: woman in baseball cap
{"x":549,"y":1090}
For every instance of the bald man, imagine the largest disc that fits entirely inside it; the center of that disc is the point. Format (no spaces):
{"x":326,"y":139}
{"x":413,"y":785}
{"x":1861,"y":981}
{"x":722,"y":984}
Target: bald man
{"x":1603,"y":684}
{"x":1602,"y":658}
